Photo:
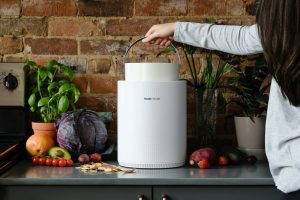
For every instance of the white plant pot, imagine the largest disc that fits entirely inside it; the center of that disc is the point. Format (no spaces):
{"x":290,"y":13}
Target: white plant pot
{"x":251,"y":135}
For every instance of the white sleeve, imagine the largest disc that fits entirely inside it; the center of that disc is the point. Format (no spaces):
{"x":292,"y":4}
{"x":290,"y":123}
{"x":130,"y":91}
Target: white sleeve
{"x":239,"y":40}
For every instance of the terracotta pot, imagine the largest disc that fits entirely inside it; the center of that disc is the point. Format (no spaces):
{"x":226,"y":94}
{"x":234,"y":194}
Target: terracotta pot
{"x":44,"y":128}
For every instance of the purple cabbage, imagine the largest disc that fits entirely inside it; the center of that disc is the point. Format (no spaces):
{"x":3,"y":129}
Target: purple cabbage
{"x":81,"y":131}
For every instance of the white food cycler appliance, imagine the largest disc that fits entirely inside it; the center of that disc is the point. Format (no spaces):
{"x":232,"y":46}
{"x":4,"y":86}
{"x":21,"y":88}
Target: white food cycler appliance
{"x":151,"y":115}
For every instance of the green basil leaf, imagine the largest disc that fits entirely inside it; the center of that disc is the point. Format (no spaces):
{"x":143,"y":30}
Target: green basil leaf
{"x":52,"y":86}
{"x":76,"y":94}
{"x":31,"y":100}
{"x":43,"y":74}
{"x":50,"y":75}
{"x":65,"y":87}
{"x":51,"y":63}
{"x":32,"y":108}
{"x":63,"y":104}
{"x":43,"y":101}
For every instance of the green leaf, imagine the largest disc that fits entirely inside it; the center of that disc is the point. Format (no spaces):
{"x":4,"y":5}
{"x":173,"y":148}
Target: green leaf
{"x":63,"y":104}
{"x":169,"y":49}
{"x":51,"y":64}
{"x":68,"y":72}
{"x":64,"y":88}
{"x":43,"y":101}
{"x":63,"y":81}
{"x":43,"y":109}
{"x":221,"y":99}
{"x":43,"y":74}
{"x":227,"y":68}
{"x":52,"y":86}
{"x":32,"y":108}
{"x":31,"y":64}
{"x":31,"y":100}
{"x":76,"y":94}
{"x":50,"y":75}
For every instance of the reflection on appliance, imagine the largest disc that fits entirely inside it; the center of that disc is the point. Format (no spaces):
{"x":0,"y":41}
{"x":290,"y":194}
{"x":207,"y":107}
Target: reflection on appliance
{"x":13,"y":126}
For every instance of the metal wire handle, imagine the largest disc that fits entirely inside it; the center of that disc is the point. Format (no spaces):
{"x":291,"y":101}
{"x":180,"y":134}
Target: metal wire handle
{"x":140,"y":39}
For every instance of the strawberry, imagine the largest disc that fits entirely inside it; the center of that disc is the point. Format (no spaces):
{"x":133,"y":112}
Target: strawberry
{"x":223,"y":160}
{"x":204,"y":163}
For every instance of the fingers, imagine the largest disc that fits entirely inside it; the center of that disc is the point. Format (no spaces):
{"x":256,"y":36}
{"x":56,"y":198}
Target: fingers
{"x":151,"y":31}
{"x":149,"y":38}
{"x":160,"y":34}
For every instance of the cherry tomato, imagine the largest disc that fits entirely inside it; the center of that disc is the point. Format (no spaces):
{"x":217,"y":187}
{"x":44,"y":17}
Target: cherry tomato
{"x":69,"y":163}
{"x":223,"y":160}
{"x":35,"y":160}
{"x":49,"y":161}
{"x":42,"y":161}
{"x":55,"y":162}
{"x":62,"y":162}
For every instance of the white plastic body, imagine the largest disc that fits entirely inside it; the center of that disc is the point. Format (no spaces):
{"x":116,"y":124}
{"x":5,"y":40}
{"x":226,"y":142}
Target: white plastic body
{"x":151,"y":124}
{"x":151,"y":71}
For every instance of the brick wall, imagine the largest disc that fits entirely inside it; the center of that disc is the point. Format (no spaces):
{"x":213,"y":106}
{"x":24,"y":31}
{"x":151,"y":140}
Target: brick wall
{"x":93,"y":35}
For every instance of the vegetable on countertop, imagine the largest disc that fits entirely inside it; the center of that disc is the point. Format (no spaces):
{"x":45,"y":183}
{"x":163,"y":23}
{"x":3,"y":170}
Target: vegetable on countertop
{"x":82,"y":132}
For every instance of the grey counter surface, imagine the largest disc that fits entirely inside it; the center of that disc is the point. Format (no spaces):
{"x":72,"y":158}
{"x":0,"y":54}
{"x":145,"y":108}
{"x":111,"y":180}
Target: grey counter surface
{"x":24,"y":173}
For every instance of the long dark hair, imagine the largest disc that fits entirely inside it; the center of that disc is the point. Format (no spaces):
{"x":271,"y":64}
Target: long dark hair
{"x":279,"y":28}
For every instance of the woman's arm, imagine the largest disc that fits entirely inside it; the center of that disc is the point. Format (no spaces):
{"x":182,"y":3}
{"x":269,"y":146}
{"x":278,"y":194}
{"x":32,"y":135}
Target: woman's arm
{"x":238,"y":40}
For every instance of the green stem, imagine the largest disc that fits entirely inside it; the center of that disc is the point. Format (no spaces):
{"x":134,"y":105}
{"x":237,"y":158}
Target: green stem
{"x":190,"y":68}
{"x":39,"y":83}
{"x":195,"y":71}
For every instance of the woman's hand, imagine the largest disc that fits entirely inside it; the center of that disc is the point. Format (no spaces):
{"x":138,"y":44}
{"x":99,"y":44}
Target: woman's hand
{"x":160,"y":34}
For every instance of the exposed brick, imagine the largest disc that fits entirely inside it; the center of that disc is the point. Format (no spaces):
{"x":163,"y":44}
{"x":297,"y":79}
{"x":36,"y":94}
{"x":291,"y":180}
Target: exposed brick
{"x":78,"y":64}
{"x":9,"y":7}
{"x":99,"y":65}
{"x":45,"y":46}
{"x":10,"y":45}
{"x":23,"y":26}
{"x":49,"y":8}
{"x":153,"y":58}
{"x":129,"y":27}
{"x":235,"y":7}
{"x":81,"y":82}
{"x":142,"y":48}
{"x":187,"y":19}
{"x":103,"y":47}
{"x":16,"y":59}
{"x":227,"y":21}
{"x":119,"y":66}
{"x":103,"y":84}
{"x":160,"y":8}
{"x":106,"y":8}
{"x":75,"y":27}
{"x":248,"y":21}
{"x":207,"y":7}
{"x":41,"y":59}
{"x":101,"y":103}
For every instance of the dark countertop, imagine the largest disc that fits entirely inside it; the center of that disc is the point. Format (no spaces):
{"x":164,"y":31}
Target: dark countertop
{"x":24,"y":173}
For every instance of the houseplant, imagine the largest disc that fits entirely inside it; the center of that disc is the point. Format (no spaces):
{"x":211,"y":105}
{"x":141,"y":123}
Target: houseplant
{"x":205,"y":83}
{"x":51,"y":92}
{"x":250,"y":85}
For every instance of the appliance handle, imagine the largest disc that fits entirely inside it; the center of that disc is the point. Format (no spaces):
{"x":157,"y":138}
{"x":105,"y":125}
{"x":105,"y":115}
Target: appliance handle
{"x":140,"y":39}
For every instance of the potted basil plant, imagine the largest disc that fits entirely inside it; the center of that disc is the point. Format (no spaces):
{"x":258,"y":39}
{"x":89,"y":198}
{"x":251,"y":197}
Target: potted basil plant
{"x":51,"y":93}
